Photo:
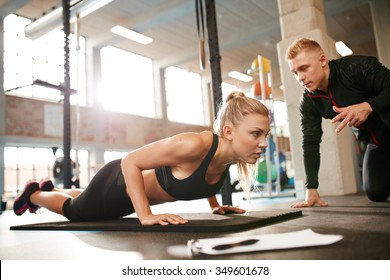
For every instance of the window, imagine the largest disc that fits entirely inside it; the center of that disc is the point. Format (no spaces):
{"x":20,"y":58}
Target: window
{"x":26,"y":61}
{"x":113,"y":155}
{"x":227,"y":89}
{"x":127,"y":82}
{"x":22,"y":164}
{"x":184,"y":96}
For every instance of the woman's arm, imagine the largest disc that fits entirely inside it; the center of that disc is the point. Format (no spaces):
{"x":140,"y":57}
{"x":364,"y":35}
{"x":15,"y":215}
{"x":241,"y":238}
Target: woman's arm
{"x":167,"y":152}
{"x":135,"y":188}
{"x":225,"y":209}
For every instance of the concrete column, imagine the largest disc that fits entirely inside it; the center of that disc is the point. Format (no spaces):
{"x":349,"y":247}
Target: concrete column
{"x":339,"y":172}
{"x":2,"y":107}
{"x":2,"y":177}
{"x":380,"y":13}
{"x":2,"y":96}
{"x":96,"y":153}
{"x":160,"y":92}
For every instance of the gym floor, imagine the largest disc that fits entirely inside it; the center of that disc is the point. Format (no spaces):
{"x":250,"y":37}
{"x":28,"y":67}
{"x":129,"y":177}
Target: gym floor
{"x":364,"y":225}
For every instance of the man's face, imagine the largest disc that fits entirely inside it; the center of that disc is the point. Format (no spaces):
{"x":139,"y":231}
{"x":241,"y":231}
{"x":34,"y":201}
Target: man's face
{"x":308,"y":69}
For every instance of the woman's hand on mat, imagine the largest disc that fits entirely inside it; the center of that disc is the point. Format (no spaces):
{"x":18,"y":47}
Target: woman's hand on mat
{"x":312,"y":198}
{"x":162,"y":219}
{"x":227,"y":209}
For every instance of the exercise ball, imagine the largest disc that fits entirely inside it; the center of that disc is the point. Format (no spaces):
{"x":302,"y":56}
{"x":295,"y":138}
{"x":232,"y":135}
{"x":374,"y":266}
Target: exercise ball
{"x":262,"y":175}
{"x":266,"y":65}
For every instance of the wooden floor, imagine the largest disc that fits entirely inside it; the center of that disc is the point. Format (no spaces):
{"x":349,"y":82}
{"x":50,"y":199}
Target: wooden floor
{"x":364,"y":225}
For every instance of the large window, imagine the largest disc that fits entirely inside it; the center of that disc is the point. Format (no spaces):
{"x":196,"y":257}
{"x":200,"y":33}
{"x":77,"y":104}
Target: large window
{"x":113,"y":155}
{"x":22,"y":164}
{"x":127,"y":82}
{"x":227,"y":89}
{"x":27,"y":62}
{"x":184,"y":96}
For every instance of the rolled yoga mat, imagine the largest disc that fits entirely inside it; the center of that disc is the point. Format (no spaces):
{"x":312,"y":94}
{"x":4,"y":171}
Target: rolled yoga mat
{"x":197,"y":222}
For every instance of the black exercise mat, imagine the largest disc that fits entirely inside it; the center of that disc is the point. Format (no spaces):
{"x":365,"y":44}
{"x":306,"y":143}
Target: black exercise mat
{"x":198,"y":222}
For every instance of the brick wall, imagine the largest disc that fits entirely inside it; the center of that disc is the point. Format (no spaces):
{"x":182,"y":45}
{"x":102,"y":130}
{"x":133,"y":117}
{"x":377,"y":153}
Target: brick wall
{"x":26,"y":118}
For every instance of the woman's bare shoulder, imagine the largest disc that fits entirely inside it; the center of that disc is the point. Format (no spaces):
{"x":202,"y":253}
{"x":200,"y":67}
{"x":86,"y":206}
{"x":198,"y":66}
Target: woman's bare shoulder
{"x":194,"y":143}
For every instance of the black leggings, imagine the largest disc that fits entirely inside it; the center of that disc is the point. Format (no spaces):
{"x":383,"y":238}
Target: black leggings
{"x":105,"y":197}
{"x":376,"y":168}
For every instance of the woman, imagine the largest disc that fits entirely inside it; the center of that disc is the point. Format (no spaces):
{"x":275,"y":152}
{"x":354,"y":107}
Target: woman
{"x":186,"y":166}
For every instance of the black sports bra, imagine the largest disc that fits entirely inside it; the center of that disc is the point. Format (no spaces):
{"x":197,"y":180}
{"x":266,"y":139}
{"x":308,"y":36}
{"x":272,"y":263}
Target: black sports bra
{"x":194,"y":186}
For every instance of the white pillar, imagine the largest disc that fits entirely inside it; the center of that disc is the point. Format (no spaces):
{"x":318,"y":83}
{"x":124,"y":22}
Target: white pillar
{"x":2,"y":107}
{"x":339,"y":172}
{"x":380,"y":13}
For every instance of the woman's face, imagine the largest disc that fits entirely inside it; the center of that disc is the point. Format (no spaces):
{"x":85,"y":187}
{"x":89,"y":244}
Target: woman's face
{"x":249,"y":137}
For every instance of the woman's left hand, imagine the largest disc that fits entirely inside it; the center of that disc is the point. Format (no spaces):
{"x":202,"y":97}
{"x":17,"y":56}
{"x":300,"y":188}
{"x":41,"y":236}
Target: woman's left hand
{"x":227,"y":209}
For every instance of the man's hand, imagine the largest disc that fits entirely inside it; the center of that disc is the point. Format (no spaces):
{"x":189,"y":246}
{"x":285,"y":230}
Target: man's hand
{"x":353,"y":115}
{"x":162,"y":219}
{"x":312,"y":198}
{"x":227,"y":209}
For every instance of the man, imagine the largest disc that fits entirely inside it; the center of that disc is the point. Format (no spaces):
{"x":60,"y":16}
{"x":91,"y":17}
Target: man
{"x":352,"y":90}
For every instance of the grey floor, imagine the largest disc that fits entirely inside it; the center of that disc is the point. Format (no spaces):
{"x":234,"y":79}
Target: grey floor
{"x":364,"y":225}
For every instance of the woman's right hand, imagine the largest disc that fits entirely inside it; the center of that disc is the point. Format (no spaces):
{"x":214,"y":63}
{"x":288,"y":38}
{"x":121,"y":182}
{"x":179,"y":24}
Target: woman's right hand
{"x":312,"y":198}
{"x":162,"y":219}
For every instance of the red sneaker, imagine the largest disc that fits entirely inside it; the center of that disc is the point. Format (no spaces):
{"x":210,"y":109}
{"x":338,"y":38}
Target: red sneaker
{"x":22,"y":202}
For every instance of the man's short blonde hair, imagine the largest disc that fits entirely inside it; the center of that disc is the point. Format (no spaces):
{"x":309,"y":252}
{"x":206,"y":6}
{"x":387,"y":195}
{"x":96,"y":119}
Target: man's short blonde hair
{"x":299,"y":45}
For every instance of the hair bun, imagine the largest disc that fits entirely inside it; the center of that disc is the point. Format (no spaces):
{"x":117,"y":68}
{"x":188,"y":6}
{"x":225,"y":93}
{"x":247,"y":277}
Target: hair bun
{"x":235,"y":94}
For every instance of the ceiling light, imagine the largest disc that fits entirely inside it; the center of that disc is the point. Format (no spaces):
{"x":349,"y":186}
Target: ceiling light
{"x":342,"y":49}
{"x":53,"y":19}
{"x":240,"y":76}
{"x":131,"y":35}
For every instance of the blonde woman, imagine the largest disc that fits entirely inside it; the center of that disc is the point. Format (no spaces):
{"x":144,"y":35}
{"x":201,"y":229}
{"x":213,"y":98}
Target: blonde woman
{"x":186,"y":166}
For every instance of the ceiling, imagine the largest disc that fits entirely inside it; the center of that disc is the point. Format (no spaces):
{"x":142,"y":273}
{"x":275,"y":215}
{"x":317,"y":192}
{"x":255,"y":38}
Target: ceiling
{"x":246,"y":29}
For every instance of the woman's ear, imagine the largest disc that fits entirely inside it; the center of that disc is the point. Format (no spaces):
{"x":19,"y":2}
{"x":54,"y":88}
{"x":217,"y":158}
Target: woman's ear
{"x":227,"y":132}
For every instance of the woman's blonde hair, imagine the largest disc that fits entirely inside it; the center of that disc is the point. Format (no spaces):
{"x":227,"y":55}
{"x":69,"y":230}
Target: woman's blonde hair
{"x":301,"y":44}
{"x":233,"y":111}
